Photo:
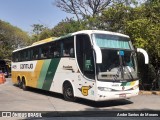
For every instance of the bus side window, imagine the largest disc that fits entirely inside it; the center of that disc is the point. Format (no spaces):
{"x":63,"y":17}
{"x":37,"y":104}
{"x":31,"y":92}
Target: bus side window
{"x":35,"y":54}
{"x":17,"y":56}
{"x":21,"y":55}
{"x":57,"y":49}
{"x":14,"y":57}
{"x":72,"y":52}
{"x":29,"y":54}
{"x":44,"y":52}
{"x":25,"y":55}
{"x":68,"y":45}
{"x":51,"y":51}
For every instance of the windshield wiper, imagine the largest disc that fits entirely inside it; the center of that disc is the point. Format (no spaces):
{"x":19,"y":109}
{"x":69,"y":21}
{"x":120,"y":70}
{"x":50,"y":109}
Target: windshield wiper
{"x":121,"y":53}
{"x":131,"y":76}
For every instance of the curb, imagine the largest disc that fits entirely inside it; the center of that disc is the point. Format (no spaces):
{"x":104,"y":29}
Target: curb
{"x":141,"y":92}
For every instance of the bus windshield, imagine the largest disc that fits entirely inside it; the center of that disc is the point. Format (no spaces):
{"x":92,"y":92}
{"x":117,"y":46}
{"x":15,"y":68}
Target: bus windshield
{"x":118,"y":59}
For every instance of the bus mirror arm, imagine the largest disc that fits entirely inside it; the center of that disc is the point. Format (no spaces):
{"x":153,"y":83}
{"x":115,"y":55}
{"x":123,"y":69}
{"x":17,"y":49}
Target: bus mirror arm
{"x":145,"y":54}
{"x":98,"y":54}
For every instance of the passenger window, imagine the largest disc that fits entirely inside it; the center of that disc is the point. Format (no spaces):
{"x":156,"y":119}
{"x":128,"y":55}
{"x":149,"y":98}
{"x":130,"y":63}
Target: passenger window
{"x":54,"y":49}
{"x":29,"y":55}
{"x":15,"y":57}
{"x":68,"y":47}
{"x":25,"y":55}
{"x":57,"y":49}
{"x":51,"y":51}
{"x":43,"y":52}
{"x":35,"y":54}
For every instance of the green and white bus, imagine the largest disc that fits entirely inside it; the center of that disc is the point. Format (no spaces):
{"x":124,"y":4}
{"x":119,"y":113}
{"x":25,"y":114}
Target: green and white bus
{"x":91,"y":64}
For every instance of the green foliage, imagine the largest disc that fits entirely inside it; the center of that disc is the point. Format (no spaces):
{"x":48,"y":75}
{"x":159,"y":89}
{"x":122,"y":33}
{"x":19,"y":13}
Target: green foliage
{"x":11,"y":38}
{"x":136,"y":29}
{"x":115,"y":17}
{"x":40,"y":32}
{"x":37,"y":28}
{"x":46,"y":33}
{"x":66,"y":26}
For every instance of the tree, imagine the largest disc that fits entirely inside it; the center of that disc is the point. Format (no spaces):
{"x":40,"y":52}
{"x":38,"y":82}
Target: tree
{"x":46,"y":33}
{"x":83,"y":8}
{"x":11,"y":38}
{"x":37,"y":28}
{"x":40,"y":32}
{"x":66,"y":26}
{"x":115,"y":17}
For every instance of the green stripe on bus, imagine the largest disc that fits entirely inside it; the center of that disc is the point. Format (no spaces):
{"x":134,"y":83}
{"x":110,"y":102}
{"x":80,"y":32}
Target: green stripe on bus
{"x":43,"y":73}
{"x":126,"y":84}
{"x":50,"y":73}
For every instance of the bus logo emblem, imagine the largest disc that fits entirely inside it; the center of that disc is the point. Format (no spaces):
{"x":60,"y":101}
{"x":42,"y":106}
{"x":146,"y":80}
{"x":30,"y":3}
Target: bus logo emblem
{"x":84,"y":90}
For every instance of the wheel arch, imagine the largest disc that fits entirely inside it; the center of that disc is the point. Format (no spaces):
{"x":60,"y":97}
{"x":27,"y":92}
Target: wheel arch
{"x":24,"y":79}
{"x":19,"y":79}
{"x":68,"y":82}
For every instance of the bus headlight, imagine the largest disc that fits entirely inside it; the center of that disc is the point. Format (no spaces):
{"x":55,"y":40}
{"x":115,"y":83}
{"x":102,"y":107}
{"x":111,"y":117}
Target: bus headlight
{"x":104,"y":89}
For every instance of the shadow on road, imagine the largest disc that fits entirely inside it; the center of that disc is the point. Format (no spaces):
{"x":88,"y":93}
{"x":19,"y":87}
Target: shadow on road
{"x":102,"y":104}
{"x":90,"y":103}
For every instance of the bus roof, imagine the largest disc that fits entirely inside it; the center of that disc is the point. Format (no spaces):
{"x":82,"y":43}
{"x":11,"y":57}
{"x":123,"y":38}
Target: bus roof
{"x":99,"y":31}
{"x":44,"y":41}
{"x":72,"y":34}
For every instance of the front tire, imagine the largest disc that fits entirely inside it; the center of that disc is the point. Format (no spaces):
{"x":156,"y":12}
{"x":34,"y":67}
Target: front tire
{"x":68,"y":92}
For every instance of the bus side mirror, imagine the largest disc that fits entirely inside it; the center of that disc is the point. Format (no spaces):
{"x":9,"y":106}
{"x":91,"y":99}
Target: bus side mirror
{"x":98,"y":54}
{"x":146,"y":57}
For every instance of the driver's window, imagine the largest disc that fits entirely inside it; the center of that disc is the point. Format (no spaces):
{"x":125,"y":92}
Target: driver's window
{"x":85,"y":57}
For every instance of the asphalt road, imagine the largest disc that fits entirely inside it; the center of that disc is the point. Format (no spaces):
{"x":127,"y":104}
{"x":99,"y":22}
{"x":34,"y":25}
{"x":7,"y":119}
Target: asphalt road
{"x":13,"y":98}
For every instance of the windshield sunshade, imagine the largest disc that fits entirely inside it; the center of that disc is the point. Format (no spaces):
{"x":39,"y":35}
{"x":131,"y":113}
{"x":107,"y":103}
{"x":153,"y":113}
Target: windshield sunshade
{"x":111,"y":41}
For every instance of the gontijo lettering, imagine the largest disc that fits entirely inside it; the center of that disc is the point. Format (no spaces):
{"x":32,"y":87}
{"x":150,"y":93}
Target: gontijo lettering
{"x":26,"y":66}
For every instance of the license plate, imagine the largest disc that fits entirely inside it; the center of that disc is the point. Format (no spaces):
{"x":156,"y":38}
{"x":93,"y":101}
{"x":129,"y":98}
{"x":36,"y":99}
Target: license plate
{"x":122,"y":95}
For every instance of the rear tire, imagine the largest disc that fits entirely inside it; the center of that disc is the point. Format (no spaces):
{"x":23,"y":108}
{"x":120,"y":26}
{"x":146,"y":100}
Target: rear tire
{"x":24,"y":87}
{"x":19,"y":83}
{"x":68,"y":92}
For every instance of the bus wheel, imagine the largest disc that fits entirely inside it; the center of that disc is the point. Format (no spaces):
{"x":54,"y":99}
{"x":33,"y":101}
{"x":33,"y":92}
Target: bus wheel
{"x":19,"y":83}
{"x":24,"y":87}
{"x":68,"y":92}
